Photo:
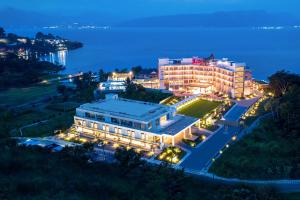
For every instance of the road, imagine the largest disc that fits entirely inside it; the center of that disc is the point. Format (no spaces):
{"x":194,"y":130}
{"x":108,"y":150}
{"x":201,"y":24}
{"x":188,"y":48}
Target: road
{"x":205,"y":152}
{"x":202,"y":155}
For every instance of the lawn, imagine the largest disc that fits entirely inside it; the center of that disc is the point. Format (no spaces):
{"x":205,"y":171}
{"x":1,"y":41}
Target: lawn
{"x":199,"y":108}
{"x":15,"y":96}
{"x":60,"y":122}
{"x":263,"y":154}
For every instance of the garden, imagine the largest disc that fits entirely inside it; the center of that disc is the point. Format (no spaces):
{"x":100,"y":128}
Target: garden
{"x":171,"y":155}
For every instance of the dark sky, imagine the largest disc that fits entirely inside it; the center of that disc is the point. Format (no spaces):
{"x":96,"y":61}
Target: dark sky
{"x":137,"y":8}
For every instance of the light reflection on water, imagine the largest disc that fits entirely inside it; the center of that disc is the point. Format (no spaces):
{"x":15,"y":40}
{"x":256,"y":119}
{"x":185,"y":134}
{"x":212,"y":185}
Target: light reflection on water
{"x":59,"y":57}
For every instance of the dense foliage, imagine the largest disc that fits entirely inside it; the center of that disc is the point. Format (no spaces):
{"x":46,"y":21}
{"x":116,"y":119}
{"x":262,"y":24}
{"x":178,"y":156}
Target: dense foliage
{"x":285,"y":106}
{"x":272,"y":150}
{"x":263,"y":154}
{"x":15,"y":71}
{"x":33,"y":173}
{"x":138,"y":92}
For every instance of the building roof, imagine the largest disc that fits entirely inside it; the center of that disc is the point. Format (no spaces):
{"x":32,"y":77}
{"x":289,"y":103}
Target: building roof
{"x":220,"y":63}
{"x":137,"y":110}
{"x":180,"y":123}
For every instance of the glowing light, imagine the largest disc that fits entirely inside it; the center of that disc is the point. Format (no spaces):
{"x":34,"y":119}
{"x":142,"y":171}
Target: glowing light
{"x":116,"y":145}
{"x":83,"y":140}
{"x":233,"y":138}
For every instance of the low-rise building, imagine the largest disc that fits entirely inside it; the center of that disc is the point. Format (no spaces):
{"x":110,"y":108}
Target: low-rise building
{"x":135,"y":123}
{"x":152,"y":83}
{"x":115,"y":82}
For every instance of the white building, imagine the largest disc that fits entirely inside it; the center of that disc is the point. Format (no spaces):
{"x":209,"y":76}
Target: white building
{"x":134,"y":123}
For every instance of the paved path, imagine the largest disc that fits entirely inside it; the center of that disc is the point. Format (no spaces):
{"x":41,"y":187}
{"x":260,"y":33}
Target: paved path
{"x":281,"y":185}
{"x":202,"y":155}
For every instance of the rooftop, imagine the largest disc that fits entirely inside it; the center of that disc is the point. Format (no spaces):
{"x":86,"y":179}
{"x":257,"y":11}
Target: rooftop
{"x":138,"y":110}
{"x":180,"y":123}
{"x":221,"y":63}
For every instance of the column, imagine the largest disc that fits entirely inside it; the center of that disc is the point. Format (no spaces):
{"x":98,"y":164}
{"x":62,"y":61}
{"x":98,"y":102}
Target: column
{"x":173,"y":141}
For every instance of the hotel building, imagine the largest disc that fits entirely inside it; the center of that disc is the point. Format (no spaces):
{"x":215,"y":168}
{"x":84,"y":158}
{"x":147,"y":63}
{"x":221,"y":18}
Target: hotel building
{"x":195,"y":75}
{"x":135,"y":123}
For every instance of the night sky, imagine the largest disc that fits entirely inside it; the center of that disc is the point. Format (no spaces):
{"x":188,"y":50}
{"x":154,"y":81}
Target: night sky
{"x":139,"y":8}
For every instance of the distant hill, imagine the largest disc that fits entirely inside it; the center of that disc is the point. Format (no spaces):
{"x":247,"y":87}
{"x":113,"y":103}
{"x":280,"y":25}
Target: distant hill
{"x":11,"y":17}
{"x":217,"y":19}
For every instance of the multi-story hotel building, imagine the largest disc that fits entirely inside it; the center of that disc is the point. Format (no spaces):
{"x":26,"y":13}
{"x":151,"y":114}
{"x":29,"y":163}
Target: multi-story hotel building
{"x":134,"y":123}
{"x":189,"y":76}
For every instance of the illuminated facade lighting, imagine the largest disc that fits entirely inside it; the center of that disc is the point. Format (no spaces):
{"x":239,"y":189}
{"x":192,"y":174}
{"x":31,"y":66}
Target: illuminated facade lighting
{"x":204,"y":76}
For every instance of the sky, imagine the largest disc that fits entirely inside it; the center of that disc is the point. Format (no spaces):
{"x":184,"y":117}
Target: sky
{"x":140,"y":8}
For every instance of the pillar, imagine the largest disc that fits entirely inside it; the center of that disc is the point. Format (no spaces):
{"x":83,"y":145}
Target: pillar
{"x":173,"y":141}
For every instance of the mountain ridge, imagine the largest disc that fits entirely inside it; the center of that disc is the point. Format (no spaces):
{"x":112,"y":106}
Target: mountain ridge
{"x":216,"y":19}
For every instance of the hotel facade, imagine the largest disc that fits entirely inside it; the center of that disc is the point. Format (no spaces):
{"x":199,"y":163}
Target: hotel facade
{"x":195,"y":75}
{"x":134,"y":123}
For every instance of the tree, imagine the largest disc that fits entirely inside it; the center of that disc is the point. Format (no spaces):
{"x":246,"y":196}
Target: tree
{"x":136,"y":70}
{"x":12,"y":37}
{"x":61,"y":89}
{"x":285,"y":106}
{"x":2,"y":32}
{"x":281,"y":81}
{"x":128,"y":160}
{"x":102,"y":75}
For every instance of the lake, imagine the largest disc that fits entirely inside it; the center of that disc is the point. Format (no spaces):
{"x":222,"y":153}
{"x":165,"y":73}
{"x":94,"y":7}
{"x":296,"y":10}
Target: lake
{"x":264,"y":51}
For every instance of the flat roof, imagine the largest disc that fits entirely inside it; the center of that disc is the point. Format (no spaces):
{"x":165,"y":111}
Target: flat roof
{"x":181,"y":123}
{"x":139,"y":110}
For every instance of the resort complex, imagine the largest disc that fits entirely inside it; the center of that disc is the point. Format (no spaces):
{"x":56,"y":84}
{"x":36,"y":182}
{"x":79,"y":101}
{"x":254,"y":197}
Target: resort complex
{"x":135,"y":123}
{"x":115,"y":82}
{"x":195,"y":75}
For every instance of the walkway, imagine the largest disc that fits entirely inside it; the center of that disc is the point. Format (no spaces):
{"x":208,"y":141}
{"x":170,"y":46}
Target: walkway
{"x":202,"y":155}
{"x":281,"y":185}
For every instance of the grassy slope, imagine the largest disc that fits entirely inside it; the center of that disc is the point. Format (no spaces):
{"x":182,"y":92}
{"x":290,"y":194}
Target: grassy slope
{"x":263,"y":154}
{"x":199,"y":108}
{"x":16,"y":96}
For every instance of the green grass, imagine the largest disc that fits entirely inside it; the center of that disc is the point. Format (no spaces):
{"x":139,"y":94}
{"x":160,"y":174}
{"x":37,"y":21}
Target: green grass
{"x":15,"y":96}
{"x":61,"y":122}
{"x":63,"y":106}
{"x":263,"y":154}
{"x":199,"y":108}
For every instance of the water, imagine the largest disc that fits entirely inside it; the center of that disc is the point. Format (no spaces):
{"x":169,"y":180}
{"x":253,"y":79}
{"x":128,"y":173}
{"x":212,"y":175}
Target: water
{"x":264,"y":51}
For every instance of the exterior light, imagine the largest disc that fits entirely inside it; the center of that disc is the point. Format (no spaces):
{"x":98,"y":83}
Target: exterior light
{"x":233,"y":138}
